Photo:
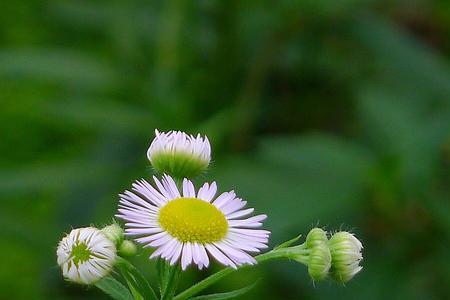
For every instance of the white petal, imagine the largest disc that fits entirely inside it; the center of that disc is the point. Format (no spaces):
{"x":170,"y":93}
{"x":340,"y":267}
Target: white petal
{"x":186,"y":258}
{"x":220,"y":256}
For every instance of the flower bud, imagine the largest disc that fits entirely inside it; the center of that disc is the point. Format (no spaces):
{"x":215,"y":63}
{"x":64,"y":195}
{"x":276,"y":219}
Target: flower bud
{"x":346,"y":255}
{"x":127,"y":248}
{"x":86,"y":255}
{"x":179,"y":154}
{"x":114,"y":232}
{"x":319,"y":261}
{"x":316,"y":236}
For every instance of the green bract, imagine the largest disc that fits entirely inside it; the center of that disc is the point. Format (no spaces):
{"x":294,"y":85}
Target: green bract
{"x":319,"y":258}
{"x":179,"y":164}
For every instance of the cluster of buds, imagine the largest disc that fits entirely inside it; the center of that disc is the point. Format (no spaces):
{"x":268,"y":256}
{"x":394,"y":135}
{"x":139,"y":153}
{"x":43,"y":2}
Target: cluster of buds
{"x":338,"y":256}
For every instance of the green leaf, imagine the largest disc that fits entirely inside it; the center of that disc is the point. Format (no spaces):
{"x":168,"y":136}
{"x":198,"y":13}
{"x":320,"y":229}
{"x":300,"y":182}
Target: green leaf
{"x":169,"y":280}
{"x":114,"y":288}
{"x":288,"y":243}
{"x":132,"y":285}
{"x":136,"y":281}
{"x":227,"y":295}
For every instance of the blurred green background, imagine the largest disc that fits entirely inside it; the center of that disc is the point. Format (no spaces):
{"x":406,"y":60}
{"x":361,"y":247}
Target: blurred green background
{"x":334,"y":113}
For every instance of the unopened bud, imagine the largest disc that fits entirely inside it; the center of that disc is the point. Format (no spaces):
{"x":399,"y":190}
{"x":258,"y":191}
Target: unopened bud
{"x":316,"y":236}
{"x":179,"y":154}
{"x":346,"y":255}
{"x":319,"y":262}
{"x":127,"y":248}
{"x":114,"y":232}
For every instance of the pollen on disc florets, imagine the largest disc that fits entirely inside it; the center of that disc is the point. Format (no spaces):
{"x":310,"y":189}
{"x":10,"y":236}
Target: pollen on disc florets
{"x":193,"y":220}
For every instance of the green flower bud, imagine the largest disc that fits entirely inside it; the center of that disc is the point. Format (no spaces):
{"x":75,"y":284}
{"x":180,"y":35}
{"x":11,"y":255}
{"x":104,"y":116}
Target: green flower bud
{"x":114,"y":232}
{"x":319,"y":261}
{"x":179,"y":154}
{"x":346,"y":255}
{"x":315,"y":237}
{"x":127,"y":248}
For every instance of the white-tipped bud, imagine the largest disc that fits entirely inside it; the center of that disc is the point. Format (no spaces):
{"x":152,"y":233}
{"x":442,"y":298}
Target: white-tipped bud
{"x":114,"y":232}
{"x":346,"y":256}
{"x":179,"y":154}
{"x":86,"y":255}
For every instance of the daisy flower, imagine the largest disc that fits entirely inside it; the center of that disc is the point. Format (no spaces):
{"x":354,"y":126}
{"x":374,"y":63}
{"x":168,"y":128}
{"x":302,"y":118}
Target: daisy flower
{"x":189,"y":227}
{"x":86,"y":255}
{"x":179,"y":154}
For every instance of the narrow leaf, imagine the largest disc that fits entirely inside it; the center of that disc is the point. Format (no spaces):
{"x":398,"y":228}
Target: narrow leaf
{"x":288,"y":243}
{"x":114,"y":288}
{"x":136,"y":280}
{"x":227,"y":295}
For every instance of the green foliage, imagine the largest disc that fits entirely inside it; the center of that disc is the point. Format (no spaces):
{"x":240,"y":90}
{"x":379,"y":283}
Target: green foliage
{"x":318,"y":112}
{"x":227,"y":295}
{"x":114,"y":288}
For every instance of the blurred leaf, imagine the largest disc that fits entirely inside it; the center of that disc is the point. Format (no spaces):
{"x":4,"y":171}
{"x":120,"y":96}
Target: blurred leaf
{"x":102,"y":115}
{"x":403,"y":62}
{"x":299,"y":181}
{"x":398,"y":128}
{"x":57,"y":65}
{"x":96,"y":16}
{"x":48,"y":176}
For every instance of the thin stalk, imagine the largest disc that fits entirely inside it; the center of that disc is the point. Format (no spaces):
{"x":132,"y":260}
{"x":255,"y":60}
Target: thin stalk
{"x":170,"y":281}
{"x":300,"y":254}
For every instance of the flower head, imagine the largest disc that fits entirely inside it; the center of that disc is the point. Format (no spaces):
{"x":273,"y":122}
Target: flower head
{"x":319,"y":262}
{"x":346,"y":255}
{"x":189,"y":225}
{"x":179,"y":154}
{"x":86,"y":255}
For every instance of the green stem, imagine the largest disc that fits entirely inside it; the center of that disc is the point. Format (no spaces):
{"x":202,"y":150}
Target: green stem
{"x":169,"y":280}
{"x":299,"y":253}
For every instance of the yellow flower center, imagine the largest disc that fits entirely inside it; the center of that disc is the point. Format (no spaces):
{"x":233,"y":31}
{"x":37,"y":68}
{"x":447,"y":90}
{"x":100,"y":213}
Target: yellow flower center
{"x":193,"y":220}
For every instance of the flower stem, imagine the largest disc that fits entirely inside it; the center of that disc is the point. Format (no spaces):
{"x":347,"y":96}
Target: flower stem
{"x":169,"y":280}
{"x":298,"y":253}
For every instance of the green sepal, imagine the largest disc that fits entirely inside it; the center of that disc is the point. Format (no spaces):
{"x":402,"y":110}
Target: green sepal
{"x":179,"y":165}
